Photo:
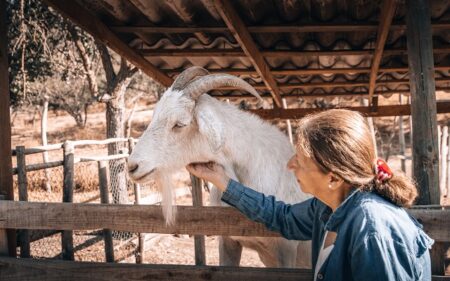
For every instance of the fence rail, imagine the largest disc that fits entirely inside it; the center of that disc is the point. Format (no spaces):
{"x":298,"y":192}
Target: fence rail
{"x":149,"y":219}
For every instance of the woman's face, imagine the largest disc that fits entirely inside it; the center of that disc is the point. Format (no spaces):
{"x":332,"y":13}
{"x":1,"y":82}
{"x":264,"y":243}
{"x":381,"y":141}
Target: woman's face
{"x":309,"y":176}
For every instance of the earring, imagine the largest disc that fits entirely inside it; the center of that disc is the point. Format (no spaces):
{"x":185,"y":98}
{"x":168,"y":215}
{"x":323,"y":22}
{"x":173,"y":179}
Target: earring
{"x":329,"y":185}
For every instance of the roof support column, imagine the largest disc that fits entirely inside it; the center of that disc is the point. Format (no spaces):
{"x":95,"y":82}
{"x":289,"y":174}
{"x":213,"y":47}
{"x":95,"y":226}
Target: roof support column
{"x":423,"y":101}
{"x":6,"y":186}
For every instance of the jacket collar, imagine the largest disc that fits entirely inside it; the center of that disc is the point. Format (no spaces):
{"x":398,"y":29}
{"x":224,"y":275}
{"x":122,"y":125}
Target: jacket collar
{"x":332,"y":219}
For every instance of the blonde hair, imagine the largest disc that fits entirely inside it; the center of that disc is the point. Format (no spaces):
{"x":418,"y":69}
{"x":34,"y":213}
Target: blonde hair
{"x":340,"y":141}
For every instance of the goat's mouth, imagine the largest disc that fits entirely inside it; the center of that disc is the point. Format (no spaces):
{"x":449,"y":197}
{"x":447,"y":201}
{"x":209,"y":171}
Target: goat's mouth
{"x":142,"y":178}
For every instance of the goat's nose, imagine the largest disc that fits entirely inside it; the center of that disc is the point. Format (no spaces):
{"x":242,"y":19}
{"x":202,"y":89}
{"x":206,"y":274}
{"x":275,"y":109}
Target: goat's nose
{"x":132,"y":167}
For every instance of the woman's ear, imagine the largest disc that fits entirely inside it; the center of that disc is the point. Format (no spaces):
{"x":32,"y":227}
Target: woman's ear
{"x":335,"y":182}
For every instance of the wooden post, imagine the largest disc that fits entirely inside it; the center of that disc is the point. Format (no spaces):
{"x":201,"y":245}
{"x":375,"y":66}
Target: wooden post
{"x":103,"y":176}
{"x":23,"y":234}
{"x":3,"y":237}
{"x":401,"y":139}
{"x":6,"y":181}
{"x":423,"y":100}
{"x":140,"y":256}
{"x":443,"y":160}
{"x":67,"y":235}
{"x":199,"y":240}
{"x":447,"y":190}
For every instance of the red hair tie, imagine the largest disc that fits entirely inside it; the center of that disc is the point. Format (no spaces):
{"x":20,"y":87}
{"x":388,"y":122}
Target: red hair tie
{"x":383,"y":171}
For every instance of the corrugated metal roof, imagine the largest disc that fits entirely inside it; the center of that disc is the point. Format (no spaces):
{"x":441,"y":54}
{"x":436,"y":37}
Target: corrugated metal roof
{"x":278,"y":13}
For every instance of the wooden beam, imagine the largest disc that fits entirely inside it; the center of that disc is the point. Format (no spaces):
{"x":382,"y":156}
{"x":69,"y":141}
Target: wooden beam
{"x":271,"y":53}
{"x":387,"y":12}
{"x":91,"y":23}
{"x":238,"y":29}
{"x":423,"y":101}
{"x":328,"y":85}
{"x":304,"y":95}
{"x":6,"y":180}
{"x":149,"y":219}
{"x":306,"y":28}
{"x":40,"y":270}
{"x":240,"y":53}
{"x":382,"y":111}
{"x":310,"y":71}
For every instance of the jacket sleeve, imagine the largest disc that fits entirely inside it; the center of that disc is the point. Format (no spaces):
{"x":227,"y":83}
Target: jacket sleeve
{"x":291,"y":221}
{"x":381,"y":258}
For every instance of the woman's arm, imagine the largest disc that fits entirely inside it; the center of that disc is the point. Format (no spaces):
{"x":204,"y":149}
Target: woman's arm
{"x":291,"y":221}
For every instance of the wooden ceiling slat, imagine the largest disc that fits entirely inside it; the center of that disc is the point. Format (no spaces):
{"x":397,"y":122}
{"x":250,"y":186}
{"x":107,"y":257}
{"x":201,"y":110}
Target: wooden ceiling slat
{"x":326,"y":85}
{"x":313,"y":28}
{"x":306,"y":71}
{"x":386,"y":15}
{"x":343,"y":94}
{"x":381,"y":111}
{"x":90,"y":23}
{"x":271,"y":53}
{"x":240,"y":32}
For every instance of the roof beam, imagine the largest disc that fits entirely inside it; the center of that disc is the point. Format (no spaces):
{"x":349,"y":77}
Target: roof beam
{"x":343,"y":94}
{"x":272,"y":53}
{"x":90,"y":23}
{"x":313,"y":28}
{"x":327,"y":85}
{"x":381,"y":111}
{"x":311,"y":71}
{"x":240,"y":32}
{"x":387,"y":12}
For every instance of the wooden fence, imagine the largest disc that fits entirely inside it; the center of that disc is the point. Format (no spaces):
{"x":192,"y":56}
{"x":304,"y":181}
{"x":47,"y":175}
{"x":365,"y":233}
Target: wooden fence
{"x":146,"y":218}
{"x":68,"y":163}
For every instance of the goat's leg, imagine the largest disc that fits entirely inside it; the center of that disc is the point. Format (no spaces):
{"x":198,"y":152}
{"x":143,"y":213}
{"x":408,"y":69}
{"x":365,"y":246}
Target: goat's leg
{"x":230,"y":251}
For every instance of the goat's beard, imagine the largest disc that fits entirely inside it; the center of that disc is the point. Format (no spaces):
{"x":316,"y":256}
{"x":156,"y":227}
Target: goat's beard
{"x":164,"y":183}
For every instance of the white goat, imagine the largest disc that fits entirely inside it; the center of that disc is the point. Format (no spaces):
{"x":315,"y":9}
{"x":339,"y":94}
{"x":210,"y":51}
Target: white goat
{"x":190,"y":126}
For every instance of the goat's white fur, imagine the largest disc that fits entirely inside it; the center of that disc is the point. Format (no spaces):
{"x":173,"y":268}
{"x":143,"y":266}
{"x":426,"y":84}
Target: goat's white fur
{"x":251,"y":150}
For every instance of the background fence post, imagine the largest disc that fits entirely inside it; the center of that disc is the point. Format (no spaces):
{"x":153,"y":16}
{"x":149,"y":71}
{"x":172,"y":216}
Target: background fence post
{"x":67,"y":235}
{"x":4,"y":250}
{"x":23,"y":234}
{"x":199,"y":240}
{"x":140,"y":254}
{"x":103,"y":176}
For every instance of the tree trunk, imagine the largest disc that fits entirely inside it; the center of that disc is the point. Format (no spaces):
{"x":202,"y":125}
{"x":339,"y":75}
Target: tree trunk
{"x":115,"y":129}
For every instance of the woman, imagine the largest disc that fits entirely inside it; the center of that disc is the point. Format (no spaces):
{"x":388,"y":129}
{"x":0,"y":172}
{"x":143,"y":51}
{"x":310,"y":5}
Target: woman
{"x":356,"y":220}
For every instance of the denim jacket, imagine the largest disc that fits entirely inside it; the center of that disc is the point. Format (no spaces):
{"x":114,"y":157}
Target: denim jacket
{"x":376,"y":240}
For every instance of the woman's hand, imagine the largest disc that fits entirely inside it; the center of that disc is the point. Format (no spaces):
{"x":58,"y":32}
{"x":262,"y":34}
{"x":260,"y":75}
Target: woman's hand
{"x":211,"y":172}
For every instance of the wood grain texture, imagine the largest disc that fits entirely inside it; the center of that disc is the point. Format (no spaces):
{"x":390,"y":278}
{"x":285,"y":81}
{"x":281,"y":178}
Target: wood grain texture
{"x":423,"y":101}
{"x":381,"y":111}
{"x":6,"y":181}
{"x":149,"y":219}
{"x":387,"y":12}
{"x":52,"y":270}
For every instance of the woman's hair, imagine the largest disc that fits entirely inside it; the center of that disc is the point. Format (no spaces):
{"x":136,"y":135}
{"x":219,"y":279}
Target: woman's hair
{"x":341,"y":142}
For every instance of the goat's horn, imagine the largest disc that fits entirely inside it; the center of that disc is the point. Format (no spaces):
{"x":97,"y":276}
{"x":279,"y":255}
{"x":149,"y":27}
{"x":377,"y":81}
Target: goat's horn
{"x":187,"y":76}
{"x":214,"y":81}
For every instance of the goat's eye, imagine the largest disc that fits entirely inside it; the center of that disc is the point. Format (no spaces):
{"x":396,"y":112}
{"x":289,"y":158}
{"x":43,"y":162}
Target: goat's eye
{"x":178,"y":126}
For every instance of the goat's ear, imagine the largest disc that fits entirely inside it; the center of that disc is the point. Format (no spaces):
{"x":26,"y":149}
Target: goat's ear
{"x":211,"y":127}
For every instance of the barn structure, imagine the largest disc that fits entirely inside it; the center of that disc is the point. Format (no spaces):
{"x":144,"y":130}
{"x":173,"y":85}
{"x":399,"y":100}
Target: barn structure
{"x":287,"y":50}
